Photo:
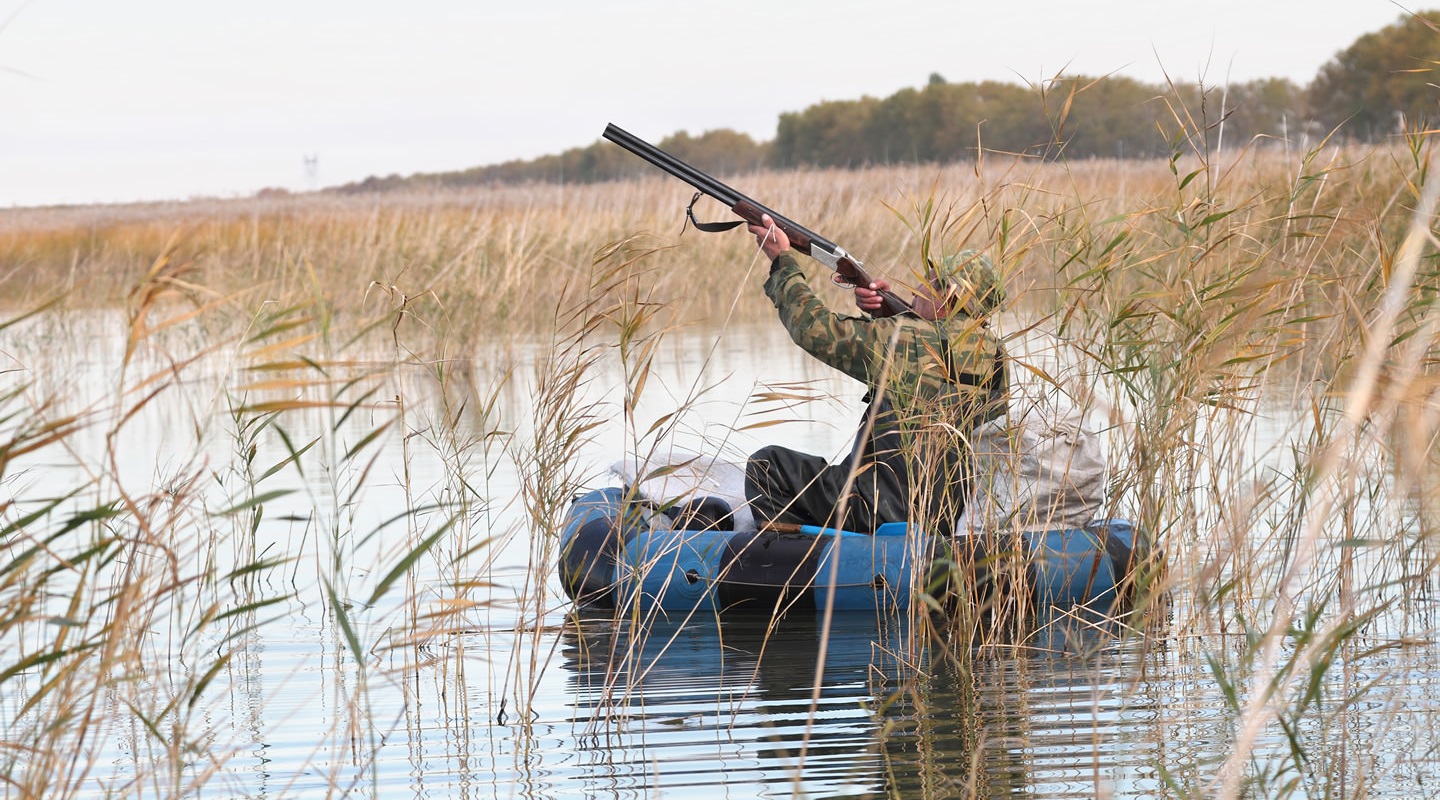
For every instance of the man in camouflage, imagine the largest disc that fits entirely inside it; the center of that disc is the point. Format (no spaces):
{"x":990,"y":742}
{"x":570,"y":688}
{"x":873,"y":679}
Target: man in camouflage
{"x":933,"y":374}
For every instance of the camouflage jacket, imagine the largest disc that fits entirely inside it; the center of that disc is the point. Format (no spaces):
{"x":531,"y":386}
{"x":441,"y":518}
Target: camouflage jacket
{"x":931,"y":383}
{"x":951,"y":367}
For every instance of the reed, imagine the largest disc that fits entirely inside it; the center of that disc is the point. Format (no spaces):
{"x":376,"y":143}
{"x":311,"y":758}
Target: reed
{"x":1253,"y":331}
{"x":135,"y":601}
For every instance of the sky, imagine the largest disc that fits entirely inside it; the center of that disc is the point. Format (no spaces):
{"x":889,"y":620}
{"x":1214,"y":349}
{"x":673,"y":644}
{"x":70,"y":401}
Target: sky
{"x":106,"y":101}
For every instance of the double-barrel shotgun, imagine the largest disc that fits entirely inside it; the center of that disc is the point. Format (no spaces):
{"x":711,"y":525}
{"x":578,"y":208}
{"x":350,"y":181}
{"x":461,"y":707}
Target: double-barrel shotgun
{"x":847,"y":268}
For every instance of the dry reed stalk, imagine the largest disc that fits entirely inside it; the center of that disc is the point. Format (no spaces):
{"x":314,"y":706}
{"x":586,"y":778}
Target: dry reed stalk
{"x":1197,"y":291}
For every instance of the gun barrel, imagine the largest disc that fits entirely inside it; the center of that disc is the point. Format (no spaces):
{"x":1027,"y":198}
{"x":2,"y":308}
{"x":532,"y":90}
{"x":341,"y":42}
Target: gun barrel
{"x":673,"y":165}
{"x":802,"y":239}
{"x":707,"y":184}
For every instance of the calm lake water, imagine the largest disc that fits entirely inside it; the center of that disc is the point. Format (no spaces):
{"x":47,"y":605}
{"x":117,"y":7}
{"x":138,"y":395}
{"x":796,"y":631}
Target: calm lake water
{"x":472,"y":681}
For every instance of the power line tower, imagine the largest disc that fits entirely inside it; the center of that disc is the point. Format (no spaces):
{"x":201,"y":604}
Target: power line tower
{"x":312,"y":171}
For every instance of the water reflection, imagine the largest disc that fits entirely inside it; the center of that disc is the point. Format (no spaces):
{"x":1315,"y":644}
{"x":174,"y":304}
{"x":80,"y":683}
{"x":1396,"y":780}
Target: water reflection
{"x":715,"y":705}
{"x":662,"y":702}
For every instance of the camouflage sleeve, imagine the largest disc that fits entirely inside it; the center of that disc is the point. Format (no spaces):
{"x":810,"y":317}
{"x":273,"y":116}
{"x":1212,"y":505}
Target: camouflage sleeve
{"x":855,"y":345}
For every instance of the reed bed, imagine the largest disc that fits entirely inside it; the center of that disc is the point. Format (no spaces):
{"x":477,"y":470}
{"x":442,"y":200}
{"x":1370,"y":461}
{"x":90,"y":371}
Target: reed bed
{"x":497,"y":258}
{"x":1253,"y":331}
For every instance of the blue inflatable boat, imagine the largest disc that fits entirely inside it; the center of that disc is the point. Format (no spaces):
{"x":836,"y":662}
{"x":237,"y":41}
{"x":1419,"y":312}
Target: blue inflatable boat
{"x":616,"y":553}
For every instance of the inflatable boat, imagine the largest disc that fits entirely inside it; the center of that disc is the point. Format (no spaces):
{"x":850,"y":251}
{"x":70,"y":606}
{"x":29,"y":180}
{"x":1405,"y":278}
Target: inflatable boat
{"x":619,"y":550}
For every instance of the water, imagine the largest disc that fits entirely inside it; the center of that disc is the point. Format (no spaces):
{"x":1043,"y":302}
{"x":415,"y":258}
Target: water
{"x":706,"y":710}
{"x":465,"y":679}
{"x":883,"y":722}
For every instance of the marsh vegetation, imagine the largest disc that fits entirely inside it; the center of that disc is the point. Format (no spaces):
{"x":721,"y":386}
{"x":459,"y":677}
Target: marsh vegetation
{"x":263,"y":461}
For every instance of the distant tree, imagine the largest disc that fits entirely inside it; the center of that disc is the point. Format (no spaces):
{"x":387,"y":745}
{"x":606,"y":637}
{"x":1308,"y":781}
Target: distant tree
{"x":828,"y":134}
{"x":1382,"y":78}
{"x":1114,"y":117}
{"x":718,"y":151}
{"x":991,"y":114}
{"x":1012,"y":121}
{"x":1272,"y":108}
{"x":893,"y":129}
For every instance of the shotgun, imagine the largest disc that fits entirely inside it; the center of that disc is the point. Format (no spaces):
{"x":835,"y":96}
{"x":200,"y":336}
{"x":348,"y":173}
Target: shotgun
{"x":848,"y":270}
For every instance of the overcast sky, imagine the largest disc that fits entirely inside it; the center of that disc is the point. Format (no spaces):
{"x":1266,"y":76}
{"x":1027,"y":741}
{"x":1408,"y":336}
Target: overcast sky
{"x":116,"y":100}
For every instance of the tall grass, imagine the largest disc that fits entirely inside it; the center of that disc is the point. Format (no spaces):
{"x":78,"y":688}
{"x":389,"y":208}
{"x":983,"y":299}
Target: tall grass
{"x":1254,"y":333}
{"x":137,"y":584}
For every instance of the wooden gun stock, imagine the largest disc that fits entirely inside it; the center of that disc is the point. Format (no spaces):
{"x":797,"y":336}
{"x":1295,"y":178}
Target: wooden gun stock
{"x":846,"y":268}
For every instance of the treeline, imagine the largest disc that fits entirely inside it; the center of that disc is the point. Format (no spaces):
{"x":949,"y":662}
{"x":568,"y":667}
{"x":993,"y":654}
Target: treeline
{"x":722,"y":151}
{"x":1369,"y":91}
{"x":1077,"y":117}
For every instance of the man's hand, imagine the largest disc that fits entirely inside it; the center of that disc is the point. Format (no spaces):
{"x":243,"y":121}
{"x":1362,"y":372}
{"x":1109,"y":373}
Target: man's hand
{"x":868,"y":299}
{"x":771,"y":239}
